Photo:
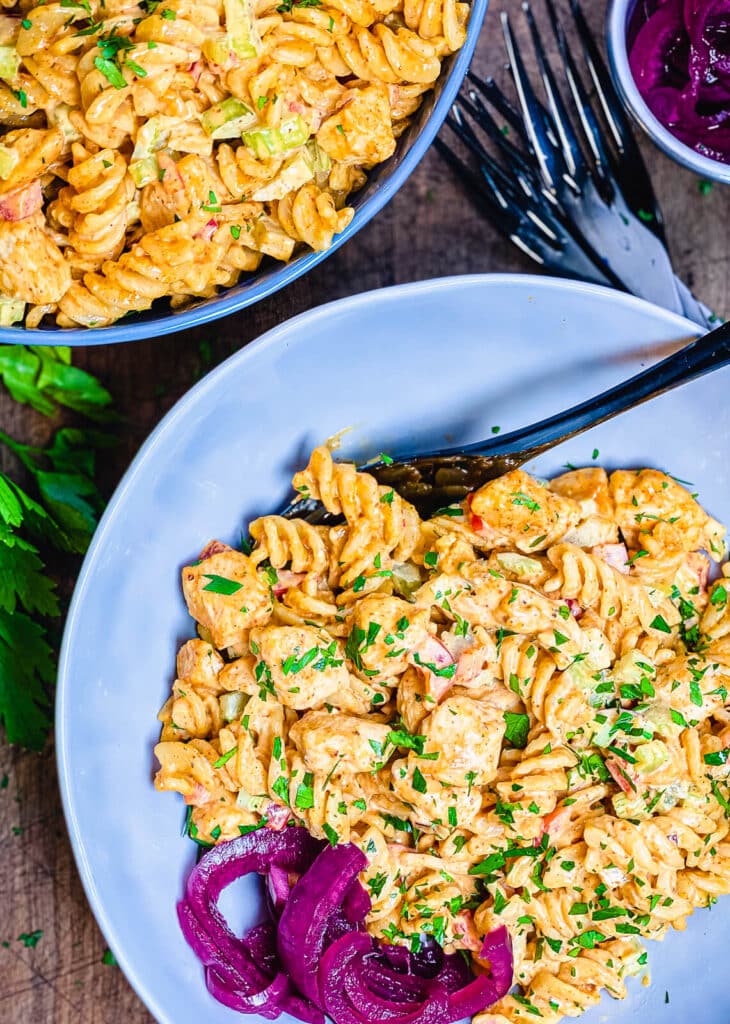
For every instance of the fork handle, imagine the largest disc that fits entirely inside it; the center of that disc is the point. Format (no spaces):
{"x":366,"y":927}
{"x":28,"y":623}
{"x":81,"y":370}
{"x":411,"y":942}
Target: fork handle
{"x":710,"y":352}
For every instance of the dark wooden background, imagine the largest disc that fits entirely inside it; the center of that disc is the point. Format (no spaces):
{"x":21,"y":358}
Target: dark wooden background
{"x":429,"y":230}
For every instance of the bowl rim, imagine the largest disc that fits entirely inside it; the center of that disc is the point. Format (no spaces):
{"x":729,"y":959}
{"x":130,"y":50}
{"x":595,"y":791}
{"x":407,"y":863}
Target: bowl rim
{"x":239,"y":297}
{"x":617,"y":17}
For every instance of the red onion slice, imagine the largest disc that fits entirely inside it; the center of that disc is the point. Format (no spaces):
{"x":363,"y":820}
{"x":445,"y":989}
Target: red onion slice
{"x":348,"y":1000}
{"x":313,"y":902}
{"x":484,"y":991}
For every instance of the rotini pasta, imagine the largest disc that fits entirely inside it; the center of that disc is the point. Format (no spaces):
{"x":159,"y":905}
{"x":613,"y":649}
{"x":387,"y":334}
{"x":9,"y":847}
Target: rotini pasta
{"x":162,"y":148}
{"x":518,"y":710}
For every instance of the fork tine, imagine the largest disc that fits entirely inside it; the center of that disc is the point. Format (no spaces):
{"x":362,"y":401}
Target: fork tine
{"x":589,"y":125}
{"x":536,"y":118}
{"x":494,"y":95}
{"x":539,"y":230}
{"x":570,"y":146}
{"x":527,"y":230}
{"x":476,"y":109}
{"x":630,"y":170}
{"x":505,"y":189}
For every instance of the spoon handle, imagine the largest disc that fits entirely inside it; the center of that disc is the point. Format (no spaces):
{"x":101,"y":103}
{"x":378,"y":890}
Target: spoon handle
{"x":709,"y":352}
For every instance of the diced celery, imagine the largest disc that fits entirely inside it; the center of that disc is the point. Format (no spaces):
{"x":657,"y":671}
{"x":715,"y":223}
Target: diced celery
{"x":144,"y":171}
{"x":598,"y":654}
{"x":154,"y":134}
{"x":406,"y":579}
{"x":658,"y":716}
{"x":321,"y":162}
{"x":11,"y":311}
{"x":519,"y":565}
{"x":295,"y":174}
{"x":603,"y":736}
{"x":266,"y":142}
{"x":631,"y":669}
{"x":251,"y":803}
{"x":8,"y":161}
{"x":9,"y":63}
{"x":243,"y":36}
{"x":58,"y":116}
{"x":626,"y":806}
{"x":227,"y":119}
{"x":217,"y":48}
{"x":650,"y":756}
{"x":232,"y":704}
{"x":294,"y":132}
{"x":632,"y":965}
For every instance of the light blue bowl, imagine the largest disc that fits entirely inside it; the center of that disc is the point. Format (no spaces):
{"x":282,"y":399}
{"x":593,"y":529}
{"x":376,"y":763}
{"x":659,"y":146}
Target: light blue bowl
{"x":426,"y":364}
{"x":382,"y":184}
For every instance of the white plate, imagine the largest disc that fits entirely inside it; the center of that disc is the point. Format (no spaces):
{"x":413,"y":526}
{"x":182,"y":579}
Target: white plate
{"x":416,"y":366}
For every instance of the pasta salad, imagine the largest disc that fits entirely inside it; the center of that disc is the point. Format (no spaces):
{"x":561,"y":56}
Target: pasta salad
{"x":163,"y":148}
{"x":517,"y":710}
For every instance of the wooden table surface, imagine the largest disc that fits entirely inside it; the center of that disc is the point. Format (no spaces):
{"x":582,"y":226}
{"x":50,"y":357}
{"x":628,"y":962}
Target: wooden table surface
{"x":430,"y":229}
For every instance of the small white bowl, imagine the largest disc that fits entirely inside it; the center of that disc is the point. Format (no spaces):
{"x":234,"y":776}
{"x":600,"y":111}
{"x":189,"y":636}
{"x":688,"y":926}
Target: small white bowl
{"x":619,"y":13}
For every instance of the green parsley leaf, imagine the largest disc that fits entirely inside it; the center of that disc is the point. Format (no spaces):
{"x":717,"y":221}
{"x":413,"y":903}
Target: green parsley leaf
{"x":111,"y":72}
{"x":519,"y":498}
{"x":419,"y":783}
{"x":221,"y":585}
{"x":225,"y":758}
{"x":658,"y":622}
{"x":330,"y":833}
{"x":304,"y":798}
{"x":447,"y":672}
{"x":518,"y":726}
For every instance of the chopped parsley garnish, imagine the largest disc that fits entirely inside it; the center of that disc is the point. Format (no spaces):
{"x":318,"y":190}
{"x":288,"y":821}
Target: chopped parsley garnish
{"x":330,"y":833}
{"x":225,"y":758}
{"x":221,"y":585}
{"x":447,"y":672}
{"x":518,"y":727}
{"x":658,"y":622}
{"x":304,"y":798}
{"x":718,"y":757}
{"x":419,"y":783}
{"x":377,"y":883}
{"x":519,"y":498}
{"x":403,"y":738}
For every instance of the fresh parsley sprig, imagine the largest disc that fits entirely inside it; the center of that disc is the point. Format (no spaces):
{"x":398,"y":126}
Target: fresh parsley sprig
{"x":58,"y":510}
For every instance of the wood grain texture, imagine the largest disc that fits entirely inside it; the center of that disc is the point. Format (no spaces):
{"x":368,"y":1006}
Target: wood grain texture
{"x":430,"y":229}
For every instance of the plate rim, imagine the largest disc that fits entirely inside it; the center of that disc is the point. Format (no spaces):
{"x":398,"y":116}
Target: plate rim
{"x":276,"y":335}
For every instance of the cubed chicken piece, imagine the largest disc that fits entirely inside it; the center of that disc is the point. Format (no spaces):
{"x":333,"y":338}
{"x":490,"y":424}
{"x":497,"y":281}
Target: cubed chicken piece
{"x":385,"y":630}
{"x":199,"y":662}
{"x":530,"y":516}
{"x":360,"y":132}
{"x":467,"y":735}
{"x":589,"y":487}
{"x":239,"y":675}
{"x":226,"y":595}
{"x":441,"y":807}
{"x":359,"y":697}
{"x":646,"y":498}
{"x":305,"y":666}
{"x":329,"y":740}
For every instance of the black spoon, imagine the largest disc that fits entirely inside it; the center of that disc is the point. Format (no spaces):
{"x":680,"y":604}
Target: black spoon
{"x":446,"y":476}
